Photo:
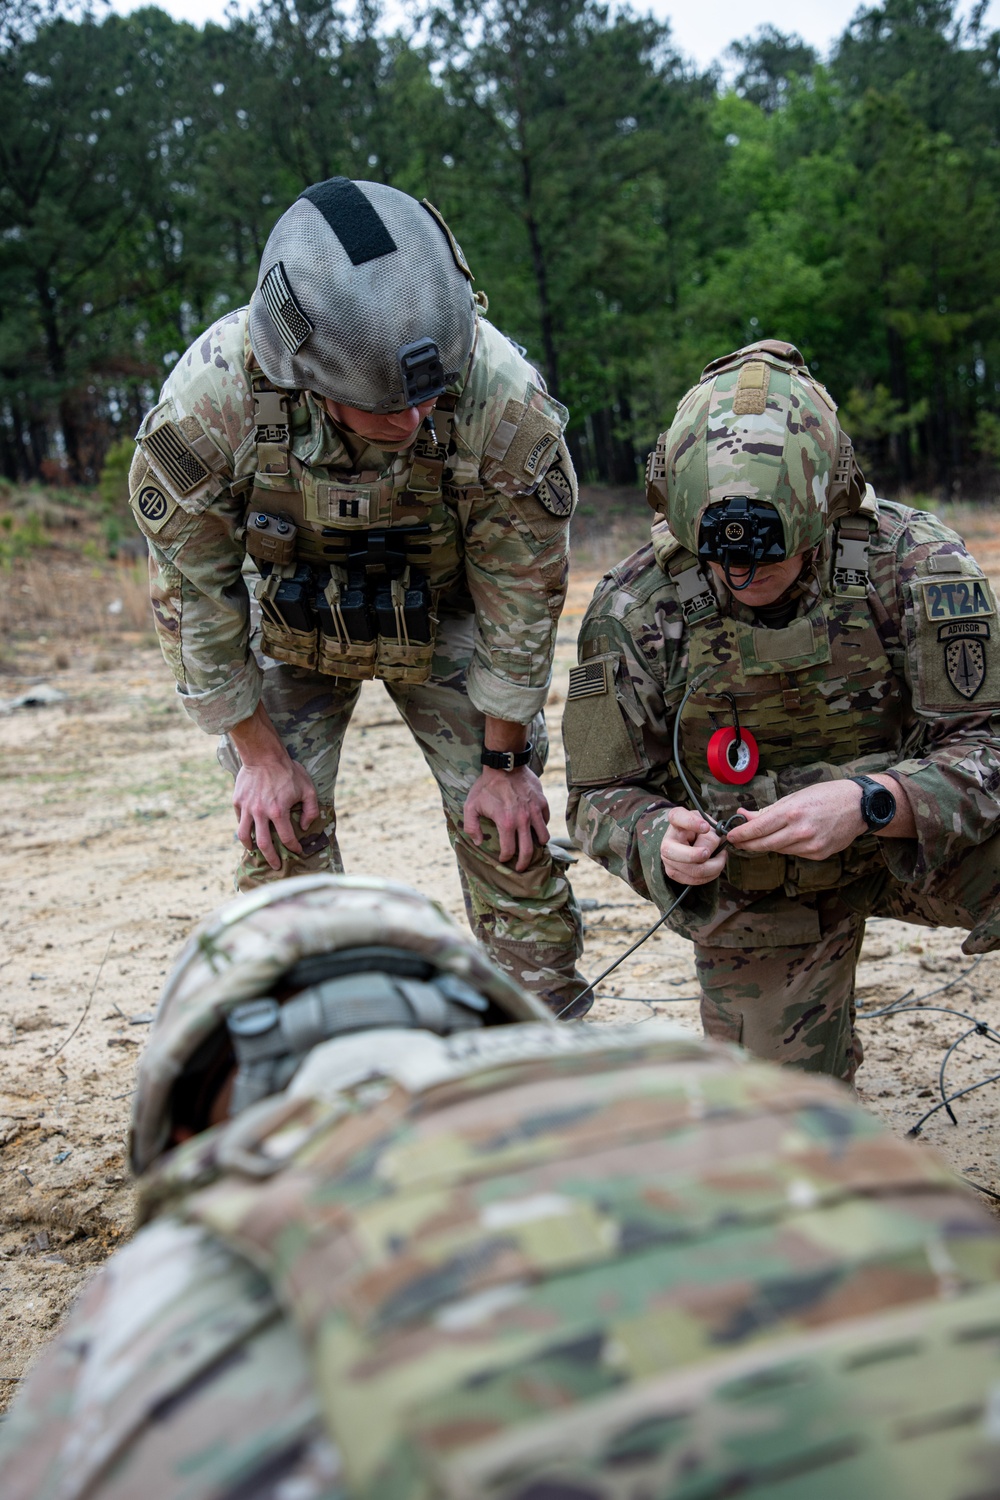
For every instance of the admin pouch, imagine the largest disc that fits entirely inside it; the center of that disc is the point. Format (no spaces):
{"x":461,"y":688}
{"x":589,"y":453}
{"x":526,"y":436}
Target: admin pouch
{"x":602,"y":731}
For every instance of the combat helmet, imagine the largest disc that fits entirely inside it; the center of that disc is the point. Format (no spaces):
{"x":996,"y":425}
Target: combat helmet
{"x":755,"y":466}
{"x":351,"y":954}
{"x":364,"y":297}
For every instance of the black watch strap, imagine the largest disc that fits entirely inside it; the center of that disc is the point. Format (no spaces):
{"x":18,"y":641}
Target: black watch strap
{"x":506,"y":760}
{"x":878,"y":805}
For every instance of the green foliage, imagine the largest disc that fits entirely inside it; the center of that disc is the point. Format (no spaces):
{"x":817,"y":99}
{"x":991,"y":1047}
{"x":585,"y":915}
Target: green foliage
{"x":19,"y":538}
{"x":629,"y":219}
{"x":113,"y":483}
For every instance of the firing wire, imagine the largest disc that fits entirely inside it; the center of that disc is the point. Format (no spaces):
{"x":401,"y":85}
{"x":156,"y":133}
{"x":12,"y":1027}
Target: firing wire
{"x":904,"y":1004}
{"x":723,"y":829}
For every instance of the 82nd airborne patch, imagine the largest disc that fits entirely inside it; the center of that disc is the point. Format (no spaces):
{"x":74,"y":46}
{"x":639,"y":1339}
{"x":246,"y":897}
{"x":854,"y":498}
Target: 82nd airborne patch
{"x":154,"y":506}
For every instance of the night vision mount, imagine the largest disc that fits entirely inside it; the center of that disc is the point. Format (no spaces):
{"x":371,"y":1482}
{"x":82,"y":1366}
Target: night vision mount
{"x":422,"y":372}
{"x":739,"y":534}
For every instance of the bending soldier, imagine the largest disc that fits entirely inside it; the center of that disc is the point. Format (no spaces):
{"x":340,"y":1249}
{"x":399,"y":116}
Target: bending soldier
{"x":824,"y":662}
{"x":442,"y":1247}
{"x":389,"y":476}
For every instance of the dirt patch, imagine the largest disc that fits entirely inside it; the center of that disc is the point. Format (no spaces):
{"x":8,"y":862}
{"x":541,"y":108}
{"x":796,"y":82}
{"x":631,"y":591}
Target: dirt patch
{"x":117,"y":836}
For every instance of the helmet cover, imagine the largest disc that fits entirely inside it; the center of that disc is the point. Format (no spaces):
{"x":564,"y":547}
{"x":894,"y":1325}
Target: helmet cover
{"x":243,"y":950}
{"x":757,"y":426}
{"x":363,"y":297}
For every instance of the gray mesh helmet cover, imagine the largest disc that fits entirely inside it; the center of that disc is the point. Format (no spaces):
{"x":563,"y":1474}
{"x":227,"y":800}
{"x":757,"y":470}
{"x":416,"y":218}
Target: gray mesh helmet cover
{"x":321,"y":322}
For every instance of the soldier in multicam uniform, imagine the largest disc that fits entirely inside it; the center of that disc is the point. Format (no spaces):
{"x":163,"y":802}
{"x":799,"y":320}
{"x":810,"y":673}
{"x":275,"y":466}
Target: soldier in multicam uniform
{"x":389,"y":476}
{"x":443,"y":1248}
{"x":819,"y":663}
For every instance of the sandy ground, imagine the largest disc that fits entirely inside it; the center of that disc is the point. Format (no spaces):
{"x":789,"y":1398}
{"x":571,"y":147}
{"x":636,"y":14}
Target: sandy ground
{"x":116,"y":835}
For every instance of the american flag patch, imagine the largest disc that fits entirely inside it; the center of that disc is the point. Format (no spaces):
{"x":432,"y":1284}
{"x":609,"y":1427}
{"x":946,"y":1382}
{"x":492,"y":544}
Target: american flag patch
{"x":588,"y":681}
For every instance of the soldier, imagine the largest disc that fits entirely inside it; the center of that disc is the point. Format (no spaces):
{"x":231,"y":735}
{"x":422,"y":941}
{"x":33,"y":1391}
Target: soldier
{"x":790,"y":653}
{"x":442,"y":1248}
{"x":389,"y":476}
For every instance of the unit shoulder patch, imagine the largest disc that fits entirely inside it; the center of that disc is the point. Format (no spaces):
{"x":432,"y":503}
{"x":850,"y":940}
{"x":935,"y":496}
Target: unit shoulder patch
{"x":557,"y":489}
{"x":965,"y":665}
{"x":155,"y":506}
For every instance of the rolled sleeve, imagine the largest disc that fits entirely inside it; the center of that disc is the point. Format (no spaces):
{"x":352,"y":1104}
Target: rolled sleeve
{"x":216,"y":710}
{"x":501,"y":698}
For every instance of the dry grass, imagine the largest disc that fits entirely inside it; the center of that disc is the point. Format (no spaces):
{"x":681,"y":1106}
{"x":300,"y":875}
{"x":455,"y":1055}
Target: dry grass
{"x":65,"y":596}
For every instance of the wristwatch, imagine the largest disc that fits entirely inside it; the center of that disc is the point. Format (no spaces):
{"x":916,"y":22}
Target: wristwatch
{"x":506,"y":760}
{"x":878,"y":805}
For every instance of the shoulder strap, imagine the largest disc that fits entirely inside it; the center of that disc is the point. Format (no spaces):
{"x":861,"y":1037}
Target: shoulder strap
{"x":852,"y":539}
{"x":695,"y":593}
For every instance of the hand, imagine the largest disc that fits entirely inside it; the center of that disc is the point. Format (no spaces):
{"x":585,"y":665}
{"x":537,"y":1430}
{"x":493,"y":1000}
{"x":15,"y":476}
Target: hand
{"x":268,"y":785}
{"x":515,"y":802}
{"x":815,"y":823}
{"x":263,"y":798}
{"x":688,"y":847}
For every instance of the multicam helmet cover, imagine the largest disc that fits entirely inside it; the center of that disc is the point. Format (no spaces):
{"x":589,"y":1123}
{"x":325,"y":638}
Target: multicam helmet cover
{"x":758,"y":426}
{"x":364,"y":297}
{"x":242,"y":951}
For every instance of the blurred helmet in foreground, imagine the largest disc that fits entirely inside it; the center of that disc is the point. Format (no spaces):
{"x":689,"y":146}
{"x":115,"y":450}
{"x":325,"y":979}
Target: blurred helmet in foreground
{"x":284,"y":968}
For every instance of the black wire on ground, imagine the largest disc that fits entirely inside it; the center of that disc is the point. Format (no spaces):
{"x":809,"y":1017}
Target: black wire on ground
{"x":904,"y":1004}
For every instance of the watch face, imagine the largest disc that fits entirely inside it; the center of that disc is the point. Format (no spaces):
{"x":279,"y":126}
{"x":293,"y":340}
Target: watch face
{"x":880,"y":806}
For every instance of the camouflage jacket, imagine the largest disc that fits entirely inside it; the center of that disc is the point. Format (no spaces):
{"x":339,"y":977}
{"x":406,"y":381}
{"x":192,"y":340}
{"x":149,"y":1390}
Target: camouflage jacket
{"x":198,"y":453}
{"x":886,"y":692}
{"x":597,"y":1262}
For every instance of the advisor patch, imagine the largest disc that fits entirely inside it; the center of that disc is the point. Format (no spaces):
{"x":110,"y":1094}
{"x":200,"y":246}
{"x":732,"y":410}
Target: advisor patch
{"x":154,"y":506}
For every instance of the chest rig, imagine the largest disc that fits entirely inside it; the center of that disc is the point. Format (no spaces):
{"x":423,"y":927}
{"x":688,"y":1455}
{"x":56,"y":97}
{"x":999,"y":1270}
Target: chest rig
{"x":352,"y":564}
{"x":817,"y":694}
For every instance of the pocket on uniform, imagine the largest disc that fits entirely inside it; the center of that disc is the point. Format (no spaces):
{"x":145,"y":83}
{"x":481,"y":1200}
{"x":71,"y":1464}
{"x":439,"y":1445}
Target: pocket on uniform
{"x":601,"y":742}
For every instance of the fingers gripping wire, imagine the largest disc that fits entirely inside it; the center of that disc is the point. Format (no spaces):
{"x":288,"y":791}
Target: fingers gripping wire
{"x":723,"y":829}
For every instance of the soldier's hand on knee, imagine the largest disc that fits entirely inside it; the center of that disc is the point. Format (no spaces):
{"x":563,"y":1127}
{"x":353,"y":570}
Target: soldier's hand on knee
{"x":515,"y":802}
{"x":263,"y":798}
{"x":688,"y":847}
{"x":814,"y":823}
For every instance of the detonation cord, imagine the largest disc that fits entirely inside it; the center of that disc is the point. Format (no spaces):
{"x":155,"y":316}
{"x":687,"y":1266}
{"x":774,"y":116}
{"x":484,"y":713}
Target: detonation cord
{"x":723,"y":829}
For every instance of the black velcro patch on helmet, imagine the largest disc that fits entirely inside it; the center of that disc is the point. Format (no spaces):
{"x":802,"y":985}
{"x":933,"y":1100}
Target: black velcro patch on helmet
{"x":291,"y":322}
{"x":352,"y":219}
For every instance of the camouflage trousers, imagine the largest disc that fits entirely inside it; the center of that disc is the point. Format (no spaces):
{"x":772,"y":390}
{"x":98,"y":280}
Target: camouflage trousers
{"x":786,"y":992}
{"x":528,"y":920}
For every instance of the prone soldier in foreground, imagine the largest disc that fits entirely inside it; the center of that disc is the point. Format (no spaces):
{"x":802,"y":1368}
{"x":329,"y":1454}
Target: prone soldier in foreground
{"x":434,"y":1245}
{"x":822,"y":666}
{"x":388,"y":475}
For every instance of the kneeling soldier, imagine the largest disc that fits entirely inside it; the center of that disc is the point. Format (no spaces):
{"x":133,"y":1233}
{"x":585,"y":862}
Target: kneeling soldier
{"x":823,"y":669}
{"x":436,"y":1247}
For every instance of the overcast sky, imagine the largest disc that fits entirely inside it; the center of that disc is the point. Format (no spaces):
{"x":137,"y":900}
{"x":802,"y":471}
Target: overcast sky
{"x":702,"y":29}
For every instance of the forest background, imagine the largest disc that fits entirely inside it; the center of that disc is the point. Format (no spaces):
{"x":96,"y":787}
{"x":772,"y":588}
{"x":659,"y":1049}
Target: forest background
{"x":629,"y":216}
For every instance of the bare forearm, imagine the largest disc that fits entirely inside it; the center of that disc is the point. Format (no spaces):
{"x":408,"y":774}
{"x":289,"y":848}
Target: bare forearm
{"x":904,"y":824}
{"x":504,"y":734}
{"x":256,"y":740}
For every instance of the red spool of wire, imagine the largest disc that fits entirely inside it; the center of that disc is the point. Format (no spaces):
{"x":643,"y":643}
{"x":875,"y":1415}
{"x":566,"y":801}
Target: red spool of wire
{"x":733,"y":758}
